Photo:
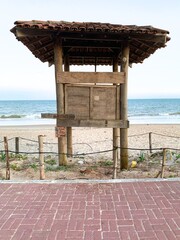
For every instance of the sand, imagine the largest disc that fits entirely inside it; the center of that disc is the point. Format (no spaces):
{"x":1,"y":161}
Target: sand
{"x":92,"y":140}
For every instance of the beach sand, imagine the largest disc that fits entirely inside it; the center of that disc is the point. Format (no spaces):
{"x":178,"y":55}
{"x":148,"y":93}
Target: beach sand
{"x":138,"y":135}
{"x":88,"y":140}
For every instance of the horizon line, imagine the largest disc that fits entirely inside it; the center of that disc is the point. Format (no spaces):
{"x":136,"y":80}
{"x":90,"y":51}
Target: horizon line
{"x":150,"y":98}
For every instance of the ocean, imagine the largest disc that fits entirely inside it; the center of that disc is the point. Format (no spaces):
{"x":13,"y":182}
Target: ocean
{"x":140,"y":111}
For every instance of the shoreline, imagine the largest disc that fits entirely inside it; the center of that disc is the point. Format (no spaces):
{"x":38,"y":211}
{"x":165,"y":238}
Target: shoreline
{"x":41,"y":126}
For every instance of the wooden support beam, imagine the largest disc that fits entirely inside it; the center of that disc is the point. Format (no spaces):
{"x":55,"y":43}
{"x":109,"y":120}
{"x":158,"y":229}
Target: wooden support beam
{"x":94,"y":123}
{"x":69,"y":129}
{"x":92,"y":44}
{"x":57,"y":116}
{"x":91,"y":77}
{"x":58,"y":62}
{"x":115,"y":130}
{"x":124,"y":108}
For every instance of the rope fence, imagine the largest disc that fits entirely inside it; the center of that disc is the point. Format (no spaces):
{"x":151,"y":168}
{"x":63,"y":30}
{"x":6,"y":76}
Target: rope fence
{"x":10,"y":155}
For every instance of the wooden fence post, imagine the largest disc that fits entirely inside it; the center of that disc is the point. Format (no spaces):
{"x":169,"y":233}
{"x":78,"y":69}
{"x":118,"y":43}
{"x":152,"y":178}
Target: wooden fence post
{"x":7,"y":158}
{"x":69,"y":142}
{"x":17,"y":145}
{"x":163,"y":162}
{"x":115,"y":152}
{"x":150,"y":142}
{"x":41,"y":157}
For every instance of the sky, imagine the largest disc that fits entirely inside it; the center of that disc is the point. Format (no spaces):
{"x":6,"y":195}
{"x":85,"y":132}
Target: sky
{"x":24,"y":77}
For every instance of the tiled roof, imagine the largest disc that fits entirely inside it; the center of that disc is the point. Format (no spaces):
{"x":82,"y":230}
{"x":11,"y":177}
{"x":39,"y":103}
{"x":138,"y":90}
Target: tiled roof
{"x":89,"y":42}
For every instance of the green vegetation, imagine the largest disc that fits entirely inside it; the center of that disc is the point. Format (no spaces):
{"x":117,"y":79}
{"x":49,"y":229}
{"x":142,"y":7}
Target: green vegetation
{"x":18,"y":156}
{"x":172,"y":176}
{"x":141,"y":157}
{"x":15,"y":167}
{"x":106,"y":163}
{"x":2,"y":156}
{"x":50,"y":162}
{"x":34,"y":166}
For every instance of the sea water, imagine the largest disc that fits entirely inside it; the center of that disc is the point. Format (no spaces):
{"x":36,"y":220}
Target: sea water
{"x":140,"y":111}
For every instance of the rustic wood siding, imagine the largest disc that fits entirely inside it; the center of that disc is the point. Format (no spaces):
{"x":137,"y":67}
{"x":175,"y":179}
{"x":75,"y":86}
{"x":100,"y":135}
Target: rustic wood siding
{"x":91,"y":102}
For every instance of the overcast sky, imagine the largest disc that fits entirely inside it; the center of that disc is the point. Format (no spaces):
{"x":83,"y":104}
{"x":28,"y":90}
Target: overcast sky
{"x":22,"y":76}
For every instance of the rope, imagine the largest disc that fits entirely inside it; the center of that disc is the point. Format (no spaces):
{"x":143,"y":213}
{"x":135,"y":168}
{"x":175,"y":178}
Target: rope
{"x":97,"y":152}
{"x":163,"y":135}
{"x":8,"y":140}
{"x":30,"y":140}
{"x":136,"y":135}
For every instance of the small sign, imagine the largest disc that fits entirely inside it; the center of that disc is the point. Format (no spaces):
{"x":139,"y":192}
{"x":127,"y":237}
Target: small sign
{"x":96,"y":98}
{"x":60,"y":131}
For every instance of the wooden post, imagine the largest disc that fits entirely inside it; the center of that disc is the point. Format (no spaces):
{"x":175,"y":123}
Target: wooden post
{"x":124,"y":108}
{"x":163,"y":162}
{"x":150,"y":142}
{"x":41,"y":157}
{"x":69,"y":129}
{"x":115,"y":130}
{"x":69,"y":141}
{"x":58,"y":63}
{"x":7,"y":158}
{"x":17,"y":145}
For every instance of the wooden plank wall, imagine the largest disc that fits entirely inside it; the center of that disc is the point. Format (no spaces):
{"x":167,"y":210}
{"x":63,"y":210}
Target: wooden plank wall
{"x":91,"y":101}
{"x":91,"y":77}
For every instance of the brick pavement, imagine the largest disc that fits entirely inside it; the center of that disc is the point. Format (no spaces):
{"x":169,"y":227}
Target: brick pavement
{"x":90,"y":211}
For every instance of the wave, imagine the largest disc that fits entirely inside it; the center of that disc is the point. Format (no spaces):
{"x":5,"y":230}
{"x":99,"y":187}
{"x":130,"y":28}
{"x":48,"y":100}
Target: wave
{"x":176,"y":113}
{"x":142,"y":114}
{"x":153,"y":114}
{"x":20,"y":116}
{"x":11,"y":116}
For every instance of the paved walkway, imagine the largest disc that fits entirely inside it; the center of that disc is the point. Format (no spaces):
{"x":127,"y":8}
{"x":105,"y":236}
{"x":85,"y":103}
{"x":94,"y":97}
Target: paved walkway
{"x":90,"y":211}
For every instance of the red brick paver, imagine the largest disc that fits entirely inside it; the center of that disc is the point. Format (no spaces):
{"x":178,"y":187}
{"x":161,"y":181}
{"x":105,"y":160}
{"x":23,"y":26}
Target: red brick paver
{"x":90,"y":211}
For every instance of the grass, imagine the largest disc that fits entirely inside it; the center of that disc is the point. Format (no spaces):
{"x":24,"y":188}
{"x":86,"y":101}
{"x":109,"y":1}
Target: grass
{"x":50,"y":162}
{"x":172,"y":176}
{"x":15,"y":167}
{"x":106,"y":163}
{"x":141,"y":157}
{"x":58,"y":168}
{"x":34,"y":166}
{"x":18,"y":156}
{"x":2,"y":156}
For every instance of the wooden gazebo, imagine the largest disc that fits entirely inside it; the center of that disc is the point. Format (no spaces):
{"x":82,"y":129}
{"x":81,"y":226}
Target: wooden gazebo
{"x":90,"y":99}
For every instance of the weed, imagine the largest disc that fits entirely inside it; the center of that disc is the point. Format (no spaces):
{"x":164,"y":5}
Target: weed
{"x":106,"y":163}
{"x":50,"y":161}
{"x":18,"y":156}
{"x":34,"y":166}
{"x":141,"y":157}
{"x":57,"y":168}
{"x":15,"y":167}
{"x":172,"y":176}
{"x":2,"y":156}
